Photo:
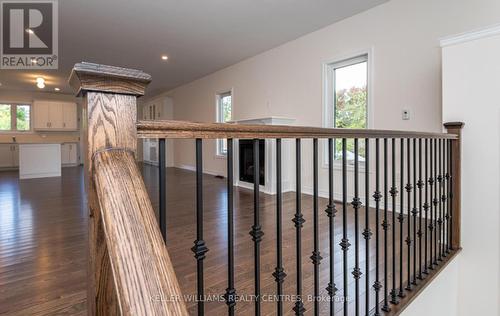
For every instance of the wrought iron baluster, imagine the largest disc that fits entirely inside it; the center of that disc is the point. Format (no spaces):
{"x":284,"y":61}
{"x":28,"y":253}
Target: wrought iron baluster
{"x":385,"y":227}
{"x":367,"y":232}
{"x":256,"y":231}
{"x":299,"y":221}
{"x":356,"y":204}
{"x":401,"y":216}
{"x":316,"y":256}
{"x":279,"y":272}
{"x":431,"y":204}
{"x":435,"y":202}
{"x":331,"y":211}
{"x":450,"y":194}
{"x":426,"y":206}
{"x":394,"y":193}
{"x":230,"y":295}
{"x":420,"y":185}
{"x":408,"y":239}
{"x":448,"y":200}
{"x":376,"y":196}
{"x":344,"y":244}
{"x":440,"y":182}
{"x":162,"y":187}
{"x":199,"y":248}
{"x":444,"y":198}
{"x":414,"y":212}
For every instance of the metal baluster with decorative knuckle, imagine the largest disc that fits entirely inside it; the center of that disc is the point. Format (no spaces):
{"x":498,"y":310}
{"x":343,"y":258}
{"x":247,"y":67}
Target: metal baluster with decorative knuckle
{"x":344,"y":243}
{"x":256,"y":231}
{"x":316,"y":255}
{"x":279,"y":272}
{"x":377,"y":196}
{"x":408,"y":239}
{"x":394,"y":193}
{"x":367,"y":233}
{"x":401,"y":217}
{"x":299,"y":221}
{"x":331,"y":212}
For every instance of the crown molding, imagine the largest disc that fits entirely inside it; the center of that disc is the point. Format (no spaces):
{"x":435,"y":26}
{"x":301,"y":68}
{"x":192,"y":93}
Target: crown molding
{"x":470,"y":36}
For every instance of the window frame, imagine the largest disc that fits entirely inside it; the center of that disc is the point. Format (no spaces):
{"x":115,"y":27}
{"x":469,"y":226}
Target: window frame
{"x":13,"y":118}
{"x":328,"y":97}
{"x":219,"y":118}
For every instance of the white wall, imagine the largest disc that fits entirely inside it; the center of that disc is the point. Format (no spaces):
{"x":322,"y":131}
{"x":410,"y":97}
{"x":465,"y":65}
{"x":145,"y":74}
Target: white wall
{"x":471,"y":79}
{"x":440,"y":297}
{"x":287,"y":80}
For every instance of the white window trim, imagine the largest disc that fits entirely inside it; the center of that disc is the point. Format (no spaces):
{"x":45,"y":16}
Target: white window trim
{"x":218,"y":96}
{"x":326,"y":97}
{"x":13,"y":120}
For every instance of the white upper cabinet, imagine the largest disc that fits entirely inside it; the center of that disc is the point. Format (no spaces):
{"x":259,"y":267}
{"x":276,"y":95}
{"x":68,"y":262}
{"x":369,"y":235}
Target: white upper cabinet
{"x":158,"y":109}
{"x":55,"y":115}
{"x":70,"y":116}
{"x":41,"y":111}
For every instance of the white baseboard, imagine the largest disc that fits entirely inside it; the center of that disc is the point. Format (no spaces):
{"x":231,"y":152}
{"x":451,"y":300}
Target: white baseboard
{"x":39,"y":175}
{"x":193,"y":168}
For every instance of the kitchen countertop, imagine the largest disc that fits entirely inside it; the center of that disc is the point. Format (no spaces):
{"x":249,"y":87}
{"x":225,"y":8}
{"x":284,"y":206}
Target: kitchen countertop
{"x":39,"y":138}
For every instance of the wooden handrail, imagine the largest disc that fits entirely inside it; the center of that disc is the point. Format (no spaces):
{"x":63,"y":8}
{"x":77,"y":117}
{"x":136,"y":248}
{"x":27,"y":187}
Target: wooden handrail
{"x":184,"y":129}
{"x":143,"y":273}
{"x":129,"y":270}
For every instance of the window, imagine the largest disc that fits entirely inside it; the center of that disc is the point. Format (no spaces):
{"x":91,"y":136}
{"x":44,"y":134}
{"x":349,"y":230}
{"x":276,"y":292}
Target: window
{"x":15,"y":117}
{"x":224,"y":114}
{"x":347,"y":100}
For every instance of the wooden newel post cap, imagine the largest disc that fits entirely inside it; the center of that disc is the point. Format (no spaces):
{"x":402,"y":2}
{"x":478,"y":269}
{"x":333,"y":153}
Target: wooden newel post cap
{"x":102,"y":78}
{"x":454,"y":125}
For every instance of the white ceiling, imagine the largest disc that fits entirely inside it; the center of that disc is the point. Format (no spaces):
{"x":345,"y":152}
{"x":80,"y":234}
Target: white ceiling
{"x":199,"y":36}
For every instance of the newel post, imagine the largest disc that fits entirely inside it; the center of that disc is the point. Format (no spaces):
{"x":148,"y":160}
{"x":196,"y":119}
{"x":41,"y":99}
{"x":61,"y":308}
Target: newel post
{"x":456,"y":167}
{"x":109,"y":121}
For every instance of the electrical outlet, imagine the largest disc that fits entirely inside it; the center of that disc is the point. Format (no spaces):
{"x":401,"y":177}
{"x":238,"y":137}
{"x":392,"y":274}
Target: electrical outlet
{"x":406,"y":115}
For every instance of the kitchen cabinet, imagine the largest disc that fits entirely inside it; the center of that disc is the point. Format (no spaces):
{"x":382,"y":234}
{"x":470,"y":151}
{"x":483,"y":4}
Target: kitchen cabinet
{"x":55,"y":116}
{"x":70,"y":119}
{"x":157,"y":109}
{"x":9,"y":155}
{"x":150,"y":151}
{"x":69,"y":153}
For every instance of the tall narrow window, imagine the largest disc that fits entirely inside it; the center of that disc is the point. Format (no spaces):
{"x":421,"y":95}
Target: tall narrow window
{"x":5,"y":117}
{"x":23,"y":117}
{"x":15,"y":117}
{"x":224,"y":114}
{"x":347,"y":99}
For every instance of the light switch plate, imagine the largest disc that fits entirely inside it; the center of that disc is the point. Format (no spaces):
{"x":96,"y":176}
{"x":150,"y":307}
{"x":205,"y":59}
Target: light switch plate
{"x":406,"y":115}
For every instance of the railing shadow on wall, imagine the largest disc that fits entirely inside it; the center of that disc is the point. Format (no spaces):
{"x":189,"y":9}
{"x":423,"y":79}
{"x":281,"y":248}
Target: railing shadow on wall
{"x":416,"y":213}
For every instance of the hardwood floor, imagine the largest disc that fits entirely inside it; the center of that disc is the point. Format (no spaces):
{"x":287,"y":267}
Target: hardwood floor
{"x":42,"y":245}
{"x":43,"y":231}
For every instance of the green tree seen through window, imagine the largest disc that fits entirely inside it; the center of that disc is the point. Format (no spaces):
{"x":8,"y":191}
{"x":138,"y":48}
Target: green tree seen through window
{"x":5,"y":117}
{"x":350,"y":112}
{"x":23,"y":117}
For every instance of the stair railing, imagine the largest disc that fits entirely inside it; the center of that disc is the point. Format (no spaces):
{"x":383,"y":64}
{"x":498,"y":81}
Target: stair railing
{"x":415,"y":200}
{"x":411,"y":212}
